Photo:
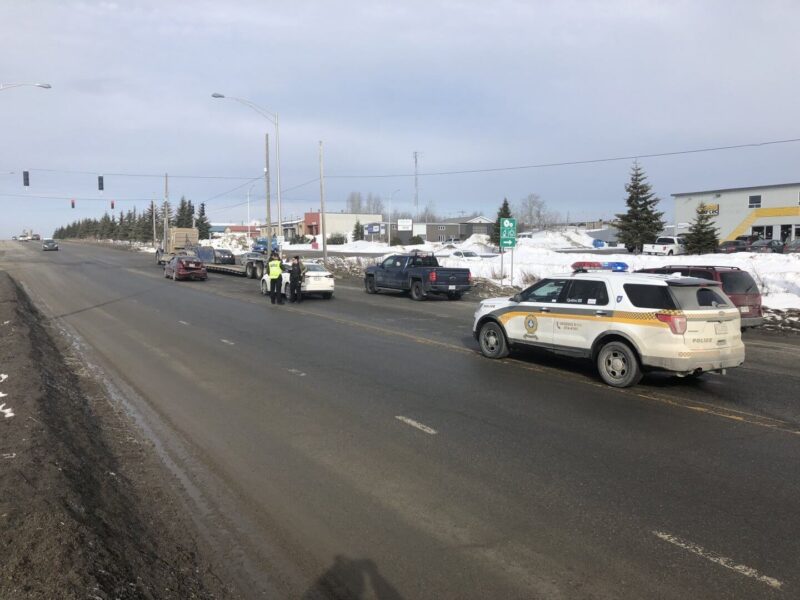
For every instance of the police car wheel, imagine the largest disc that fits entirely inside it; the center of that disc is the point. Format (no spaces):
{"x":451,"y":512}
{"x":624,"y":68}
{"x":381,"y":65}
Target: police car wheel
{"x":493,"y":341}
{"x":618,"y":365}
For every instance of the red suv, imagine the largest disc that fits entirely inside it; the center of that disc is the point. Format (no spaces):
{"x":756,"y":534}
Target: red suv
{"x":739,"y":285}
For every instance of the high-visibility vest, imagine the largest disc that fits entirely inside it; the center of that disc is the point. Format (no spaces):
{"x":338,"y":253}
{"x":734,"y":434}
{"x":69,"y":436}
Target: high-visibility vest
{"x":274,"y":269}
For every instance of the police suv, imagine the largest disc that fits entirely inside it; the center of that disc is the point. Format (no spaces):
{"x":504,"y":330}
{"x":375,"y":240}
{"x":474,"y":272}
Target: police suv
{"x":625,"y":322}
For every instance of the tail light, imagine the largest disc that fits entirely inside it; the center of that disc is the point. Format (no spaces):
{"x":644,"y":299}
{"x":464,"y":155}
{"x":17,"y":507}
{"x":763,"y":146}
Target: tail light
{"x":469,"y":278}
{"x":677,"y":323}
{"x":432,"y":276}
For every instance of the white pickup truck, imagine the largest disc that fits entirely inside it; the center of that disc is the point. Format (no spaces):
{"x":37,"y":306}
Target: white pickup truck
{"x":666,"y":246}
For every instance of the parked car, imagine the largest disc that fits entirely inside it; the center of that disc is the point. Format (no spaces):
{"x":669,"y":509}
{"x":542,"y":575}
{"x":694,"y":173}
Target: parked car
{"x":185,"y":267}
{"x":216,"y":256}
{"x":793,"y":246}
{"x":739,"y":286}
{"x":626,"y":323}
{"x":318,"y":280}
{"x":418,"y":273}
{"x":49,"y":244}
{"x":467,"y":255}
{"x":13,"y":238}
{"x":748,"y":239}
{"x":731,"y":246}
{"x":767,"y":246}
{"x":666,"y":245}
{"x":36,"y":237}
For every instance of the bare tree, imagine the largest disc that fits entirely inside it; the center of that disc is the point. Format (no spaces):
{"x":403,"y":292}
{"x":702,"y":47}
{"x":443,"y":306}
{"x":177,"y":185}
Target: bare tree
{"x":374,"y":204}
{"x":355,"y":202}
{"x":531,"y":211}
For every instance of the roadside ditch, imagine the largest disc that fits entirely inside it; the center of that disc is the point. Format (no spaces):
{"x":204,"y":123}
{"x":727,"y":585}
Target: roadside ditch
{"x":86,"y":509}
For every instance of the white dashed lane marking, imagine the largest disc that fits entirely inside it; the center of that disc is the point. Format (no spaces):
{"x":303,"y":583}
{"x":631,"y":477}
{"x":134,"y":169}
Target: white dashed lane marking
{"x":296,"y":372}
{"x":183,"y":322}
{"x":724,"y":561}
{"x":417,"y":425}
{"x":230,"y":343}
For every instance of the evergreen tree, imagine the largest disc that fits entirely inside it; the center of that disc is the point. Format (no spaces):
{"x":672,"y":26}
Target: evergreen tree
{"x":182,"y":214}
{"x":190,"y":220}
{"x":203,"y":226}
{"x":642,"y":223}
{"x":503,"y":213}
{"x":703,"y":237}
{"x":358,"y":231}
{"x":106,"y":228}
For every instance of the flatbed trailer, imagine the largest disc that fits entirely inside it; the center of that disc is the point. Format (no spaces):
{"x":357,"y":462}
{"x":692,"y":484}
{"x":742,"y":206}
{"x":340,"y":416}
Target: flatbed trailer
{"x":252,"y":266}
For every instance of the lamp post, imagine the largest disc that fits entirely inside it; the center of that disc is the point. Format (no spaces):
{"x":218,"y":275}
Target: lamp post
{"x":272,"y":118}
{"x":6,"y":86}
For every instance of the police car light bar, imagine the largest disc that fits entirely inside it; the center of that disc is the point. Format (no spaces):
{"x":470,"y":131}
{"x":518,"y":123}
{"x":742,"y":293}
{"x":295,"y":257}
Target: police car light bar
{"x":588,"y":265}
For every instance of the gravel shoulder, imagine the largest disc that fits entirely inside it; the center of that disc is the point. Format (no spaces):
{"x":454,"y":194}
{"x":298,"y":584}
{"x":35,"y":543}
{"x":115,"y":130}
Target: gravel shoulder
{"x":86,"y":510}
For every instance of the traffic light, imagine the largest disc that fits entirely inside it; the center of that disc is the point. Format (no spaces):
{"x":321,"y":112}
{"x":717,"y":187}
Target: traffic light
{"x":112,"y":205}
{"x":26,"y":179}
{"x":72,"y":202}
{"x":100,"y":183}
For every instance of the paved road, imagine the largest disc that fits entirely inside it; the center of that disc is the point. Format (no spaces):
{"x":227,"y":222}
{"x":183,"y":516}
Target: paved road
{"x":362,"y":444}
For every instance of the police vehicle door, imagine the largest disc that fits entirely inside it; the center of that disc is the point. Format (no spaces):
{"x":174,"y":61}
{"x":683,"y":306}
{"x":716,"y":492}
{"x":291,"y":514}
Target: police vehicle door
{"x":581,"y":315}
{"x":530,"y":321}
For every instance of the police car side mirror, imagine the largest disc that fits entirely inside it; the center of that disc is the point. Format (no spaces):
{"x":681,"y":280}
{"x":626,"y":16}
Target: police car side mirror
{"x":516,"y":298}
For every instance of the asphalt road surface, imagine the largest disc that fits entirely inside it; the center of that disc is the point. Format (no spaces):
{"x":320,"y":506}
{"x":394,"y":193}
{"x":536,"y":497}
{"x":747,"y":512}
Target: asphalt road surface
{"x":361,"y":447}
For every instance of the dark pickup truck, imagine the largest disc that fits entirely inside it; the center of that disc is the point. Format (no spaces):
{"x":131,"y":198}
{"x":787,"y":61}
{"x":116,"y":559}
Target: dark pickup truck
{"x":418,"y":274}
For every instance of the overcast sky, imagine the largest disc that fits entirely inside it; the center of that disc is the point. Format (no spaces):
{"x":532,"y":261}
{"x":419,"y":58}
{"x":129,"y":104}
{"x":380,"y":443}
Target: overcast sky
{"x":468,"y":85}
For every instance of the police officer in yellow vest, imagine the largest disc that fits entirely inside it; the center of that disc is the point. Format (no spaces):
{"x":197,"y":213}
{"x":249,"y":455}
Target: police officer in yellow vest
{"x":275,"y":279}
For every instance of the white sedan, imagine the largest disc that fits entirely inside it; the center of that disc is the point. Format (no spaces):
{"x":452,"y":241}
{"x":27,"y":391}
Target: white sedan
{"x":467,"y":255}
{"x":318,"y":280}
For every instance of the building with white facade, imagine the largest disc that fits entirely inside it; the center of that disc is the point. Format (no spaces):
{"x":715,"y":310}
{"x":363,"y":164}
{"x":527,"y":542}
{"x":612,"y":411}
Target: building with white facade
{"x":771,"y":211}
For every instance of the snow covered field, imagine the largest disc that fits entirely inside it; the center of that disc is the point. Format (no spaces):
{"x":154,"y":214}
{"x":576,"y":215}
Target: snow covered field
{"x":778,"y":275}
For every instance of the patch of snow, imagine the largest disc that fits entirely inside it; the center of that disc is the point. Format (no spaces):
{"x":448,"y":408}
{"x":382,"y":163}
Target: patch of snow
{"x":777,"y":275}
{"x":3,"y":377}
{"x":7,"y":412}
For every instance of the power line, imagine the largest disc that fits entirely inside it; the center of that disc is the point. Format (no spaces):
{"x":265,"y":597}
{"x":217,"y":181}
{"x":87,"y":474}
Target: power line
{"x":149,"y":175}
{"x":570,"y":162}
{"x":310,"y":181}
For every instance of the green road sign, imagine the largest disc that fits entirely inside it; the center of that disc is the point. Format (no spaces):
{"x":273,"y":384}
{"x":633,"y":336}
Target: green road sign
{"x":508,"y":233}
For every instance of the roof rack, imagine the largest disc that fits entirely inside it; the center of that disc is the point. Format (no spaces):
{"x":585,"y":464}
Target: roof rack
{"x":712,"y":267}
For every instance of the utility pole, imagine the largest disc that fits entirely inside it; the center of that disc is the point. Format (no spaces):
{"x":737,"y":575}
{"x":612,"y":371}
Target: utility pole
{"x":166,"y":212}
{"x":266,"y":185}
{"x":416,"y":186}
{"x":322,"y":207}
{"x":153,"y":208}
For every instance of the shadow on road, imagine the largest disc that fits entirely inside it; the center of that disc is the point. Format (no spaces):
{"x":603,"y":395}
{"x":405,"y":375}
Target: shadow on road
{"x":349,"y":579}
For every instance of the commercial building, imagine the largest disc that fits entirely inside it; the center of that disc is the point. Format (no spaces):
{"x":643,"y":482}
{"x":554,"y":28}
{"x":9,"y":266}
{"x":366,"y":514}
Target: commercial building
{"x":771,"y":211}
{"x":341,"y":223}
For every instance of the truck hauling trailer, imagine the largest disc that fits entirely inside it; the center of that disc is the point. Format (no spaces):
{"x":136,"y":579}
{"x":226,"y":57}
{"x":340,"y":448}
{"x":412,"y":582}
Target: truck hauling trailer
{"x":177,"y":240}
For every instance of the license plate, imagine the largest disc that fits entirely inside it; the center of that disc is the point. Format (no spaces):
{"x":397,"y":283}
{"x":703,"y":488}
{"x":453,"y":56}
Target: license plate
{"x":721,"y":328}
{"x":744,"y":309}
{"x":451,"y":287}
{"x":193,"y":265}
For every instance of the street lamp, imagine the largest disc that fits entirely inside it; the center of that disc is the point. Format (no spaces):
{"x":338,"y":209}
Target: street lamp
{"x":5,"y":86}
{"x":272,"y":118}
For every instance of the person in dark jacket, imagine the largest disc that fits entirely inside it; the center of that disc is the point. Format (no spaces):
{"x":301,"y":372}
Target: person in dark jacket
{"x":296,"y":275}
